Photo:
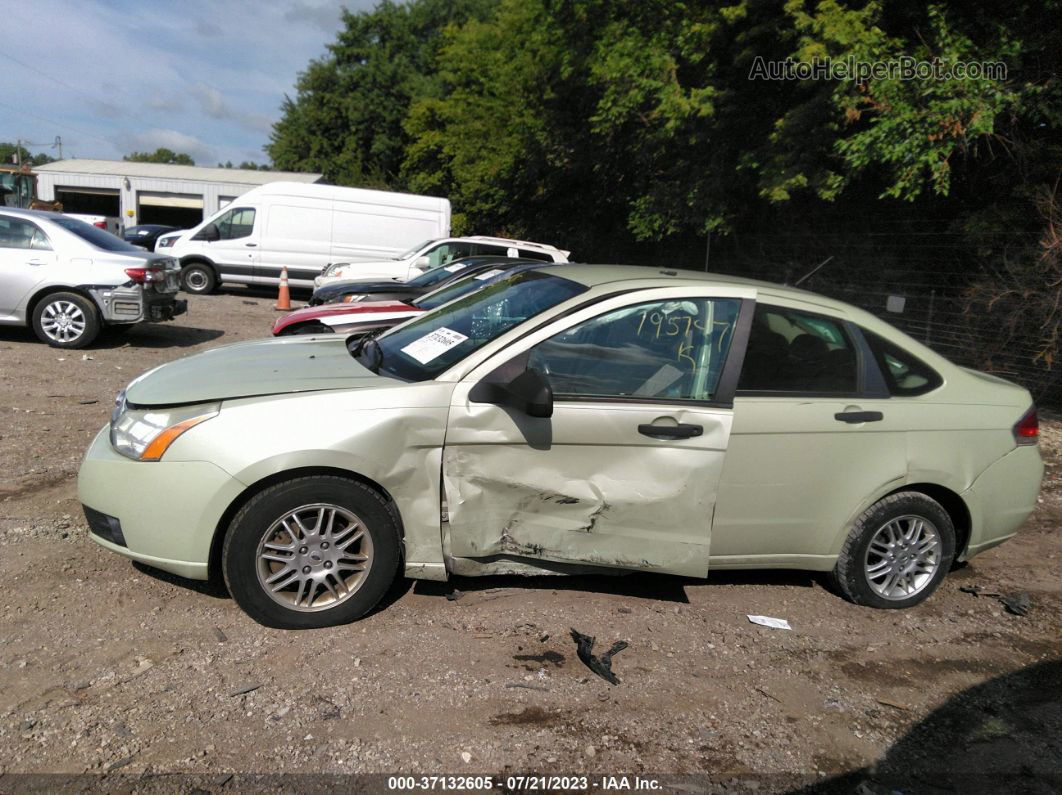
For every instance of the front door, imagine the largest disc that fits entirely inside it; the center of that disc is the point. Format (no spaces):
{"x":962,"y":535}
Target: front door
{"x":235,"y":252}
{"x":625,"y":472}
{"x":26,"y":256}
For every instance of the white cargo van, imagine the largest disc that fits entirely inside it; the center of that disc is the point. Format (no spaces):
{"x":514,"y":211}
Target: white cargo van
{"x":304,"y":227}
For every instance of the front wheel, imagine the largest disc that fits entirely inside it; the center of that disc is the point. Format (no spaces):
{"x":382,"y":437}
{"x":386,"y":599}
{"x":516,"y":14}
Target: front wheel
{"x":66,"y":320}
{"x":897,"y":552}
{"x":311,"y":552}
{"x":199,"y":279}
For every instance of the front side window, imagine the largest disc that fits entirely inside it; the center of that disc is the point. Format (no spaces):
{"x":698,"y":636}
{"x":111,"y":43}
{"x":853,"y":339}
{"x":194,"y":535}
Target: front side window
{"x":905,"y":374}
{"x":437,"y":340}
{"x":662,"y":350}
{"x":236,"y":223}
{"x":16,"y":233}
{"x":447,"y":253}
{"x":798,"y":352}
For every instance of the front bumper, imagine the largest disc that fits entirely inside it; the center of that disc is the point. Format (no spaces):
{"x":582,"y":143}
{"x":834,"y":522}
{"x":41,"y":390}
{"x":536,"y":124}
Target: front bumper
{"x":168,"y":511}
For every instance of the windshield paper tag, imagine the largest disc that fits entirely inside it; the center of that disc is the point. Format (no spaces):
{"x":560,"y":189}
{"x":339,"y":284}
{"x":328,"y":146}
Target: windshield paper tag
{"x":489,"y":274}
{"x":434,"y":345}
{"x":453,"y":268}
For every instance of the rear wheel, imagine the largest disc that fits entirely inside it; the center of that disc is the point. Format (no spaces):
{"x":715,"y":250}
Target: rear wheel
{"x":198,"y":278}
{"x":897,"y":552}
{"x":311,"y":552}
{"x":66,"y":320}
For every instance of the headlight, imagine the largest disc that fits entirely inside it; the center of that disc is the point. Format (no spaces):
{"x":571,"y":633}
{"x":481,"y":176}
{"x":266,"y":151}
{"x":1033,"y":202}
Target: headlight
{"x":353,"y":299}
{"x":146,"y":434}
{"x":166,"y":242}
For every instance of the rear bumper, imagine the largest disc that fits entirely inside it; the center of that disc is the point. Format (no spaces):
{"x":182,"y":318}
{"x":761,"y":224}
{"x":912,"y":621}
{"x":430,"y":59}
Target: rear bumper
{"x":1002,"y":498}
{"x":161,"y":513}
{"x":166,"y":308}
{"x":131,"y":304}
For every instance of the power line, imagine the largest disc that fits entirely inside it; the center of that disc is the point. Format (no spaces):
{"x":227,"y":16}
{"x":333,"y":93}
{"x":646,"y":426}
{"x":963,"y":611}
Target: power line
{"x":61,"y":125}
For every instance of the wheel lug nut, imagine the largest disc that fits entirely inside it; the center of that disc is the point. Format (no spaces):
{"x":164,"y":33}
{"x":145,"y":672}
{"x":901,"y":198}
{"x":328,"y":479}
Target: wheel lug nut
{"x":305,"y":569}
{"x":328,"y":564}
{"x":324,"y":545}
{"x":303,"y":550}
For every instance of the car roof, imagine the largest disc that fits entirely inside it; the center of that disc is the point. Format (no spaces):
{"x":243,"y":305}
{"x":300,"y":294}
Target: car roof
{"x":597,"y":275}
{"x":30,"y":213}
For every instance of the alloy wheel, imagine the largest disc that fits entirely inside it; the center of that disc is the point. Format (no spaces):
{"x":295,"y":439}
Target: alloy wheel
{"x":902,"y":557}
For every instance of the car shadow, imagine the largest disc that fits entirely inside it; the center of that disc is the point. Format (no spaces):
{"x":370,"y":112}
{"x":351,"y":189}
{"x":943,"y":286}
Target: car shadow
{"x":657,"y":587}
{"x":214,"y":588}
{"x":141,"y":335}
{"x":999,"y":736}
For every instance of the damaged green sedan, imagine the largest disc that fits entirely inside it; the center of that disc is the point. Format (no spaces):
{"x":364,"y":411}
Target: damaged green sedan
{"x":568,"y":418}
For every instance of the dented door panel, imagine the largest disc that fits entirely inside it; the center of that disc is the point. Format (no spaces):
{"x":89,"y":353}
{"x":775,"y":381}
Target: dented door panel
{"x":584,"y":486}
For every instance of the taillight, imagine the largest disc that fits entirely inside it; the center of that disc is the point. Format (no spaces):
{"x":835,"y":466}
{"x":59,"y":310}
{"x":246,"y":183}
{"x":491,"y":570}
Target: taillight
{"x":1027,"y":429}
{"x":143,"y":275}
{"x":100,"y":224}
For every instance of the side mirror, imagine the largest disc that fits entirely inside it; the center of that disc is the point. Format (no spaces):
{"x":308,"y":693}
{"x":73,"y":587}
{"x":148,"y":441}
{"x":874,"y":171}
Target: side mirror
{"x":423,"y":263}
{"x":209,"y":233}
{"x":528,"y":392}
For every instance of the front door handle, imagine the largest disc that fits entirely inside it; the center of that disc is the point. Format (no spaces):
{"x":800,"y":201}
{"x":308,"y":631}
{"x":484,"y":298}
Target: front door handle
{"x":35,"y":262}
{"x":250,"y":245}
{"x":670,"y":431}
{"x":853,"y":417}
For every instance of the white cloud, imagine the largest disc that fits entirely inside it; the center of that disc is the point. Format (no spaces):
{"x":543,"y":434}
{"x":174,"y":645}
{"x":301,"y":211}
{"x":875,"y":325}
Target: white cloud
{"x":150,"y":140}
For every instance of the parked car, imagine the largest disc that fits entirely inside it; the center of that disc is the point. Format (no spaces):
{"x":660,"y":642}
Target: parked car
{"x":366,"y":316}
{"x":108,"y":223}
{"x":395,"y":289}
{"x":303,"y":228}
{"x":560,"y":418}
{"x":146,"y":235}
{"x":67,"y":279}
{"x":439,"y":253}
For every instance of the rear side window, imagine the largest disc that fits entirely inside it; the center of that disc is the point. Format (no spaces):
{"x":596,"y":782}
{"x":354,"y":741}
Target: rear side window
{"x":905,"y":374}
{"x":532,"y":254}
{"x":16,"y":233}
{"x":797,"y":352}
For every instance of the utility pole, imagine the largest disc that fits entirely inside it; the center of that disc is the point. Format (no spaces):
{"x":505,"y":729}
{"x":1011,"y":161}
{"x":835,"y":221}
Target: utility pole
{"x":59,"y":143}
{"x":18,"y":152}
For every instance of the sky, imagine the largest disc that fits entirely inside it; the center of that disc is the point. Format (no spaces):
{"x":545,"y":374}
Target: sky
{"x":205,"y":78}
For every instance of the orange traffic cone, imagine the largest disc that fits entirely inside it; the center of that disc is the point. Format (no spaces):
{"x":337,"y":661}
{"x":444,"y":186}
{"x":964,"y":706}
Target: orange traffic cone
{"x":283,"y":303}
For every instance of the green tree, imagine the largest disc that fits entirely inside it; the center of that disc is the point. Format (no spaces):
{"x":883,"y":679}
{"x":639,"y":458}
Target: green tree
{"x":346,"y":118}
{"x":8,"y":151}
{"x":161,"y":155}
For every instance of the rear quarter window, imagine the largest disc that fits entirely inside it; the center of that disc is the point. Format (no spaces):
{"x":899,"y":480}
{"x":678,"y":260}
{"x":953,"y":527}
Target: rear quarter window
{"x":905,"y":374}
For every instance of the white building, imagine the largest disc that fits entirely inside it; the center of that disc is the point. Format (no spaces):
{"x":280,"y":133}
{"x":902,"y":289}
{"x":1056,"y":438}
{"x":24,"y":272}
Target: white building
{"x":150,"y":193}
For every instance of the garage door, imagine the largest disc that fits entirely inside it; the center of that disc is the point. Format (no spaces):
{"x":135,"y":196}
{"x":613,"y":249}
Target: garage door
{"x":91,"y":201}
{"x":182,"y":210}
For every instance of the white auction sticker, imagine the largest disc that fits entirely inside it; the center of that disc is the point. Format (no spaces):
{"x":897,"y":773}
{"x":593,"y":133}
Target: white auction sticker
{"x":433,"y":345}
{"x":453,"y":268}
{"x":489,"y":274}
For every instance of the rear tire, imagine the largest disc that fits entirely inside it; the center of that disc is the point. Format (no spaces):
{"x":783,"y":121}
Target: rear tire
{"x":311,"y":552}
{"x":66,"y":320}
{"x":199,"y":279}
{"x":897,"y":552}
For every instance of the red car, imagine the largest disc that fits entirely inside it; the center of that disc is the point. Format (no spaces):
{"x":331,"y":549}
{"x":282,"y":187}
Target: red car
{"x":366,"y":316}
{"x":338,"y":318}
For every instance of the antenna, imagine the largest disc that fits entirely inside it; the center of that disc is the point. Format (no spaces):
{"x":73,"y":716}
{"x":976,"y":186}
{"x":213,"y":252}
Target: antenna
{"x":811,"y":272}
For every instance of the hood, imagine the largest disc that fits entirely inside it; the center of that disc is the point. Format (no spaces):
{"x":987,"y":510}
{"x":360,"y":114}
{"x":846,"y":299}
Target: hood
{"x":361,"y":307}
{"x":260,"y":367}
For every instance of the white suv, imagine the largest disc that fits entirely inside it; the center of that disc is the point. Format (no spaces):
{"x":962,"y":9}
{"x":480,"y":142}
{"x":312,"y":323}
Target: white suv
{"x":437,"y":253}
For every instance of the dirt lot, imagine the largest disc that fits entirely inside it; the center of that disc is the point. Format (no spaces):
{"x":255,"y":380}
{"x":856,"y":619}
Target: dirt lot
{"x":108,"y":668}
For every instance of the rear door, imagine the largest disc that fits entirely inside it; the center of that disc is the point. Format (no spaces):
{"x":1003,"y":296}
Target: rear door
{"x":26,"y":257}
{"x":625,"y":472}
{"x":813,"y":438}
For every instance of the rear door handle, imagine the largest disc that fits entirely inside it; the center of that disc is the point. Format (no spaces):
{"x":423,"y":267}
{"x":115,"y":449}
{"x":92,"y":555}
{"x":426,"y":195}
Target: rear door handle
{"x":670,"y":431}
{"x":250,"y":245}
{"x":853,"y":417}
{"x":35,"y":262}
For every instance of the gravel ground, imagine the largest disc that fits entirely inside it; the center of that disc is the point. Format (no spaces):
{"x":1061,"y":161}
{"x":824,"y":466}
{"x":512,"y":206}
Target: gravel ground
{"x":117,"y":670}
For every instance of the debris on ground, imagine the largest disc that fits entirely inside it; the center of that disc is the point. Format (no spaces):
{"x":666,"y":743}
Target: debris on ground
{"x":240,"y":691}
{"x":1017,"y":603}
{"x":767,"y":621}
{"x":221,"y":636}
{"x":454,"y":595}
{"x":602,"y":666}
{"x":525,"y":686}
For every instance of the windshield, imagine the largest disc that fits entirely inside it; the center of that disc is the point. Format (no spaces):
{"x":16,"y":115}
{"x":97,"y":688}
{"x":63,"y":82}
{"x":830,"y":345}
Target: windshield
{"x":436,"y":275}
{"x":462,"y":286}
{"x":429,"y":345}
{"x":100,"y":238}
{"x":415,"y":249}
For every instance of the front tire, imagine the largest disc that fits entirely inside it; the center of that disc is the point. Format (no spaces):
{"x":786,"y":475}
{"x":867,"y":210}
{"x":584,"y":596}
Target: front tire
{"x":199,"y":279}
{"x":311,"y":552}
{"x":66,"y":320}
{"x":897,"y":552}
